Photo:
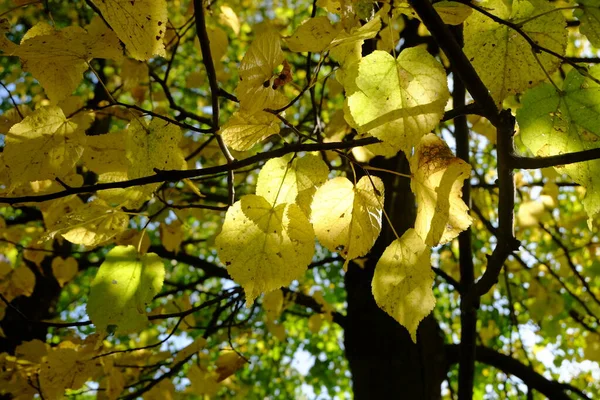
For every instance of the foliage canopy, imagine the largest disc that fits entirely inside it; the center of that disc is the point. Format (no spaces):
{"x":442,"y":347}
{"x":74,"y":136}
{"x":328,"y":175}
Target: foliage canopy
{"x":204,"y":198}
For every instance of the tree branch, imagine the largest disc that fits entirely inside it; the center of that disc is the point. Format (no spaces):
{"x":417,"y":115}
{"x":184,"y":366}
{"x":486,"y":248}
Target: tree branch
{"x":177,"y":175}
{"x":551,"y":389}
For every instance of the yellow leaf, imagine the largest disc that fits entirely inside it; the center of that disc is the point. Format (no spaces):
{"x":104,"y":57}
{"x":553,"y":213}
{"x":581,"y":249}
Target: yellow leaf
{"x":255,"y":90}
{"x":133,"y":73}
{"x":592,"y":347}
{"x":171,"y":235}
{"x":164,"y":390}
{"x":398,"y":100}
{"x":315,"y":322}
{"x":227,"y":363}
{"x":403,"y":280}
{"x":140,"y":24}
{"x":105,"y":153}
{"x":277,"y":330}
{"x":91,"y":224}
{"x":502,"y":57}
{"x":245,"y":129}
{"x":64,"y":270}
{"x":437,"y":182}
{"x":155,"y":146}
{"x":65,"y":368}
{"x":347,"y":218}
{"x":273,"y":304}
{"x":58,"y":58}
{"x":263,"y":246}
{"x":45,"y":145}
{"x":127,"y":282}
{"x":21,"y":283}
{"x":530,"y":213}
{"x":202,"y":382}
{"x":452,"y":12}
{"x":34,"y":350}
{"x":230,"y":18}
{"x":287,"y":180}
{"x":314,"y":35}
{"x":12,"y":117}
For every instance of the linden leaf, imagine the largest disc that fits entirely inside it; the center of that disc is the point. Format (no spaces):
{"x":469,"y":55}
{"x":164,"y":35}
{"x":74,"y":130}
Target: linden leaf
{"x":228,"y":363}
{"x":190,"y":349}
{"x":91,"y":224}
{"x":58,"y":58}
{"x":64,"y":270}
{"x":203,"y":382}
{"x":314,"y":35}
{"x":263,"y":246}
{"x":452,"y":12}
{"x":127,"y":282}
{"x":273,"y":304}
{"x":589,"y":15}
{"x":20,"y":282}
{"x":403,"y":280}
{"x":287,"y":180}
{"x":155,"y":146}
{"x":245,"y":129}
{"x":255,"y":90}
{"x":347,"y":218}
{"x":554,"y":123}
{"x":437,"y":182}
{"x":230,"y":18}
{"x":502,"y":57}
{"x":171,"y":235}
{"x":45,"y":145}
{"x":398,"y":100}
{"x":65,"y":368}
{"x":105,"y":153}
{"x":140,"y":24}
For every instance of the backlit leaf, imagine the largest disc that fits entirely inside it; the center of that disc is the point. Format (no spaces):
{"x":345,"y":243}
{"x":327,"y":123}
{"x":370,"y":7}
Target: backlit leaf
{"x":589,"y":15}
{"x":264,"y":247}
{"x":127,"y":282}
{"x":245,"y":129}
{"x":555,"y":123}
{"x":64,"y":270}
{"x":502,"y":57}
{"x":283,"y":180}
{"x":437,"y":182}
{"x":403,"y":280}
{"x":58,"y":58}
{"x":314,"y":35}
{"x":347,"y":218}
{"x":398,"y":100}
{"x":45,"y":145}
{"x":140,"y":24}
{"x":257,"y":71}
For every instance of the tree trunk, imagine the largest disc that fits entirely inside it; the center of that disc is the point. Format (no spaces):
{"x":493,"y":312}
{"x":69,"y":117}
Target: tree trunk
{"x":384,"y":362}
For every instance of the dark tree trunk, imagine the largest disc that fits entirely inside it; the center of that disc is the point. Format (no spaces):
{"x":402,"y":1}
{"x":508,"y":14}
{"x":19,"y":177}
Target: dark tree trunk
{"x":384,"y":362}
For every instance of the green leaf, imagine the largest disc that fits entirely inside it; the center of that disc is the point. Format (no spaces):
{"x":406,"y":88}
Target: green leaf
{"x":398,"y":100}
{"x":503,"y":59}
{"x":589,"y":15}
{"x":264,"y":246}
{"x":403,"y":280}
{"x":554,"y":123}
{"x":123,"y":287}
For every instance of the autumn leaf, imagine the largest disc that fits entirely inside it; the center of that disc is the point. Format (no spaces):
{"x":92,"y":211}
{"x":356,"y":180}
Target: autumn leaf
{"x":437,"y":183}
{"x":264,"y":246}
{"x":45,"y":145}
{"x":403,"y":279}
{"x":128,"y":282}
{"x":140,"y":24}
{"x":347,"y":218}
{"x":245,"y":129}
{"x":398,"y":100}
{"x":502,"y":57}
